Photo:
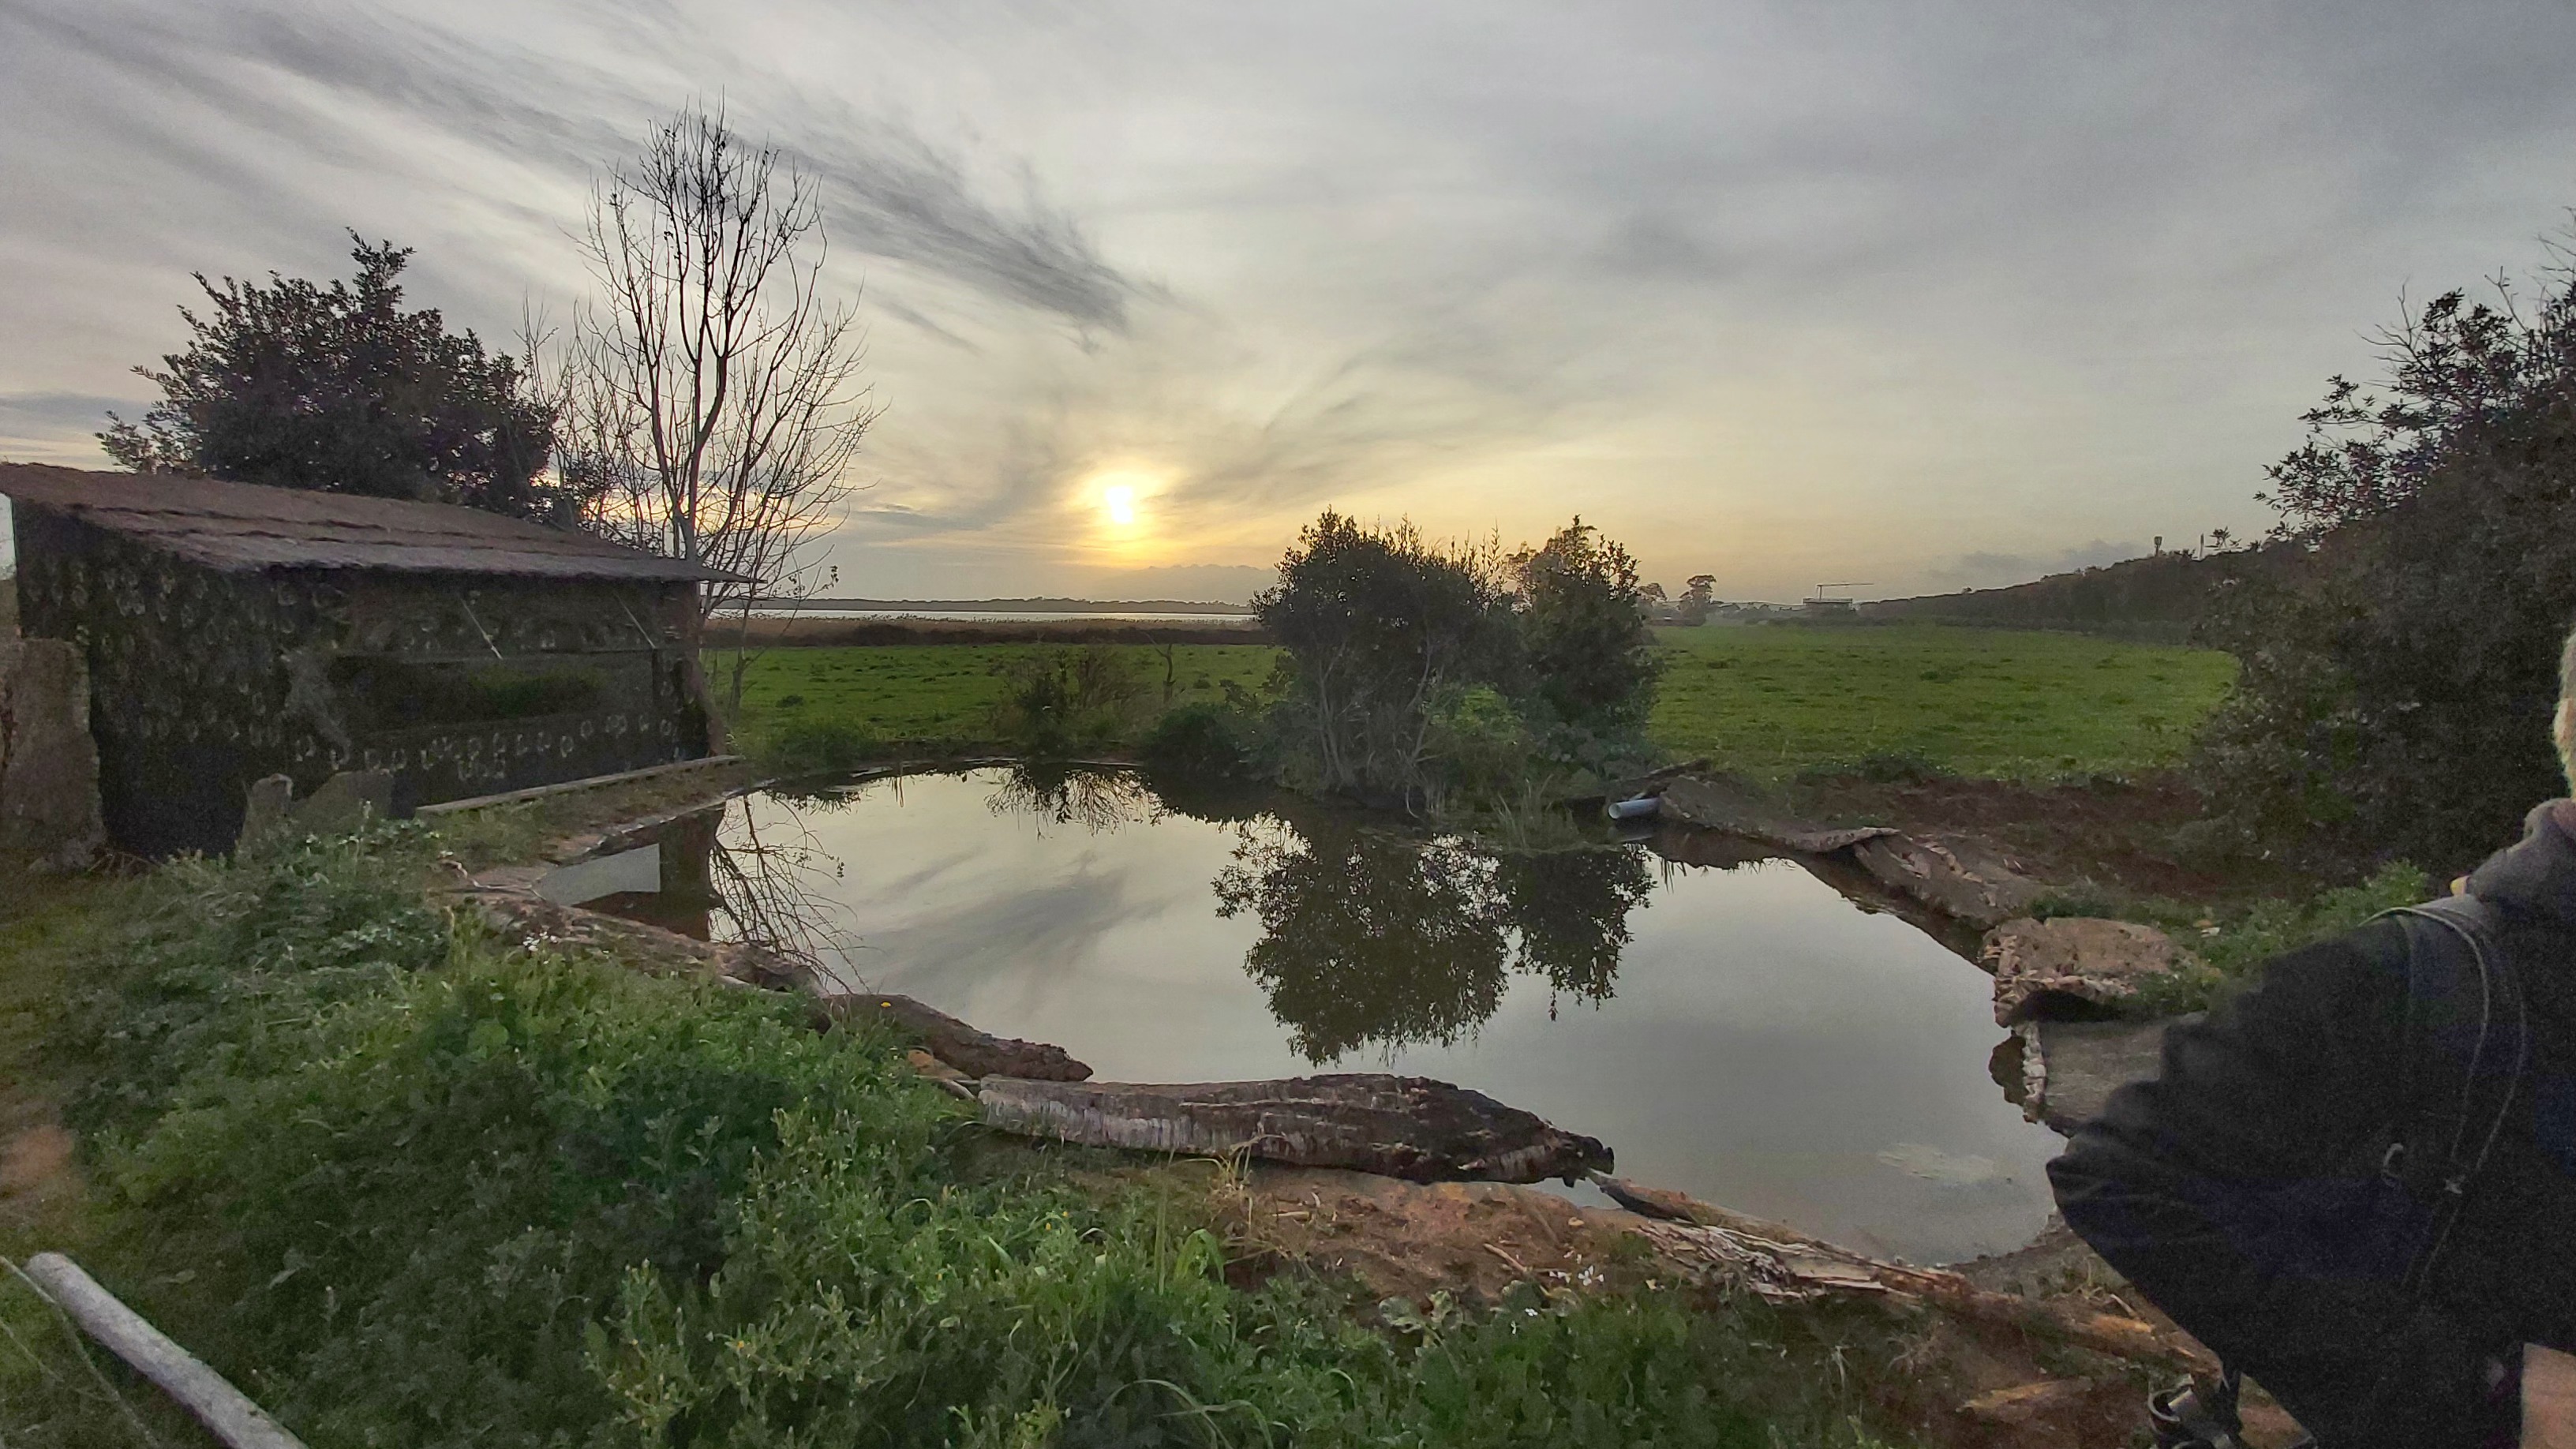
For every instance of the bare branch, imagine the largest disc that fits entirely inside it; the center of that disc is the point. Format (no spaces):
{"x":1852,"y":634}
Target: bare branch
{"x":713,"y":400}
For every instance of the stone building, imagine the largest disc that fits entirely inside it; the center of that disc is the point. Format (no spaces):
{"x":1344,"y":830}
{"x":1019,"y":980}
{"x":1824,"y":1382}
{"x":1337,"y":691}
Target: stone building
{"x":232,"y":632}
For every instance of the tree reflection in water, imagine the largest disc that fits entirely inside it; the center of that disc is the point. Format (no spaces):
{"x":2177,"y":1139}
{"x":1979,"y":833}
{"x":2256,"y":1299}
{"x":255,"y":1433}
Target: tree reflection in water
{"x":777,"y":887}
{"x":1371,"y":939}
{"x":760,"y":877}
{"x":1098,"y":800}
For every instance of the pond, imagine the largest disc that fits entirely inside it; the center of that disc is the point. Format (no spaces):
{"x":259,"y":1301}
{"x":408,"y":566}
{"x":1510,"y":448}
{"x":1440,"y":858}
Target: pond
{"x":1746,"y":1034}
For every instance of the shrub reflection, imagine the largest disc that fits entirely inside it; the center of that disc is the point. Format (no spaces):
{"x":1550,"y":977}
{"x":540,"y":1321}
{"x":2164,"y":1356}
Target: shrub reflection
{"x":1372,"y":939}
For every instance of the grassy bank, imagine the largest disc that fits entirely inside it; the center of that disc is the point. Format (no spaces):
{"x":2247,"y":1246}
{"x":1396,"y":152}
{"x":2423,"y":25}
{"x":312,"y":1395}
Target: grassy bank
{"x":1777,"y":700}
{"x":1770,"y":701}
{"x":409,"y":1183}
{"x":942,"y":695}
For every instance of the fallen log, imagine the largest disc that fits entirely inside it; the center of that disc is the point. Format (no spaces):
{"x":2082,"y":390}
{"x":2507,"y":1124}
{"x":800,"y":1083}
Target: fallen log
{"x":976,"y":1053}
{"x":1781,"y":1265}
{"x":1406,"y":1127}
{"x":207,"y":1395}
{"x":1958,"y":876}
{"x":1737,"y":807}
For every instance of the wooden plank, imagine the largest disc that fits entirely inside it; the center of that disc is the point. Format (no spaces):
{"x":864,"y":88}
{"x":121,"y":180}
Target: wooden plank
{"x":225,"y":1411}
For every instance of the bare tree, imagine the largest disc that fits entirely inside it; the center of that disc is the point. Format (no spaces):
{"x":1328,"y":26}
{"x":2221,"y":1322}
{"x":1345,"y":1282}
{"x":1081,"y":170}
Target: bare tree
{"x":711,"y":395}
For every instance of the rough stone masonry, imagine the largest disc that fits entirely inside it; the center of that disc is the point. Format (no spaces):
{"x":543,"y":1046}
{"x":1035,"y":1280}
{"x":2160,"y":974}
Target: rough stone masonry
{"x":48,"y":762}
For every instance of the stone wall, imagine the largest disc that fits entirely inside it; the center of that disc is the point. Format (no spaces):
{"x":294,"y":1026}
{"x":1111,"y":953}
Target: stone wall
{"x":202,"y":682}
{"x":49,"y":802}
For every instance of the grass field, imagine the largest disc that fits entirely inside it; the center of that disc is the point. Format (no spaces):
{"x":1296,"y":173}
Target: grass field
{"x":944,"y":693}
{"x":1775,"y":700}
{"x":1770,"y":700}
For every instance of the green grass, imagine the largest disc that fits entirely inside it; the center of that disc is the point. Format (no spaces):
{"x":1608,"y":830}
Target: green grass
{"x":944,"y":694}
{"x":409,"y":1184}
{"x":1776,"y":700}
{"x":1771,"y":701}
{"x":2229,"y":946}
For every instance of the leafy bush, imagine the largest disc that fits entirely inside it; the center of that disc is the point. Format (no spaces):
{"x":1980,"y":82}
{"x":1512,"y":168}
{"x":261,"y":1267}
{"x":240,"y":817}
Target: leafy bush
{"x":1418,"y":674}
{"x":1057,"y":702}
{"x":1203,"y":741}
{"x":1584,"y":638}
{"x":1479,"y":747}
{"x":1379,"y":625}
{"x":228,"y":961}
{"x":2400,"y":637}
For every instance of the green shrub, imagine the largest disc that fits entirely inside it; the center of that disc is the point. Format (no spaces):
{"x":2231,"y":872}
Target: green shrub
{"x":807,"y":745}
{"x":1481,"y":752}
{"x":2400,"y":635}
{"x":1058,"y":702}
{"x":1589,"y":655}
{"x":2228,"y":948}
{"x":1203,"y":741}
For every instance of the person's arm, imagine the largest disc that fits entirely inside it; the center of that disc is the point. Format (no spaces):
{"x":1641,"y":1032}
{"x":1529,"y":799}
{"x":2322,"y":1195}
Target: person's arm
{"x":2194,"y":1185}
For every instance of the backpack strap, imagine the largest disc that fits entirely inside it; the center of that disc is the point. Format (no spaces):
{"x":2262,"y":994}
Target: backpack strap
{"x":2467,"y":1047}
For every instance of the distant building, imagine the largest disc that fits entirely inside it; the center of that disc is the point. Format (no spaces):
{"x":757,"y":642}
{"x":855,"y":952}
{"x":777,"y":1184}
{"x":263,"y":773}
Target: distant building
{"x":234,"y":631}
{"x":1829,"y":609}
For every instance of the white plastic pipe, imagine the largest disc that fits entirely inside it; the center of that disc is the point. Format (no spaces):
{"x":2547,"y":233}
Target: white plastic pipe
{"x":223,"y":1409}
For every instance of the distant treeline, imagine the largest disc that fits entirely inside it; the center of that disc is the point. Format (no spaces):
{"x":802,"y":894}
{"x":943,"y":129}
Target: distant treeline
{"x":2158,"y":598}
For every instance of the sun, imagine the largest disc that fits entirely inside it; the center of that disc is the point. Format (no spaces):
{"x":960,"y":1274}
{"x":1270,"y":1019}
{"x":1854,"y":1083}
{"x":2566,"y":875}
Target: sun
{"x":1118,"y":505}
{"x":1121,"y":501}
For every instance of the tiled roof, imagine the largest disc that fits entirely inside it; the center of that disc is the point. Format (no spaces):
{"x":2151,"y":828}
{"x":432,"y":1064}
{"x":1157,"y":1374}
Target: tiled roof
{"x":243,"y":526}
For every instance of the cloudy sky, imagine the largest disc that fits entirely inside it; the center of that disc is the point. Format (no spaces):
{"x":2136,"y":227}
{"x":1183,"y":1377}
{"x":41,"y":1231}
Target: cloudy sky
{"x":1915,"y":293}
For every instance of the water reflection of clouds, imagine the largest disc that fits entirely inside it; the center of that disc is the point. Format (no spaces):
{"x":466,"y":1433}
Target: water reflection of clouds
{"x":1040,"y":929}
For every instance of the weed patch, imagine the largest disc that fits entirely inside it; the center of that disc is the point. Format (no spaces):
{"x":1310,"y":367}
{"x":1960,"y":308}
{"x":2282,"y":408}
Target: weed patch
{"x":2229,"y":946}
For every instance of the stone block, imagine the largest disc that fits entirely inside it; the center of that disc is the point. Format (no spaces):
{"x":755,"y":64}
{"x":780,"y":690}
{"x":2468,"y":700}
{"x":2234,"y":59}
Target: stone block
{"x":346,"y":803}
{"x":264,"y":814}
{"x":49,"y":800}
{"x":2100,"y":963}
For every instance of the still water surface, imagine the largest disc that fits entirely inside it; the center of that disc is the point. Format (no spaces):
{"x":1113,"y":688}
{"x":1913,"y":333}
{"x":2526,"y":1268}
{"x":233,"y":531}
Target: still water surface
{"x":1745,"y":1035}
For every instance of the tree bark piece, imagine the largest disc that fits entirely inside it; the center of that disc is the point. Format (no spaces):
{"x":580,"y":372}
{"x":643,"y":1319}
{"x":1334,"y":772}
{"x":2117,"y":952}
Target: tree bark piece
{"x":1405,"y":1127}
{"x":223,"y":1409}
{"x":1781,"y":1265}
{"x":976,"y":1053}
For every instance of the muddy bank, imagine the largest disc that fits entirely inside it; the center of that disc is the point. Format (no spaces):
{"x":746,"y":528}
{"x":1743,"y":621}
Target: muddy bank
{"x":2116,"y":834}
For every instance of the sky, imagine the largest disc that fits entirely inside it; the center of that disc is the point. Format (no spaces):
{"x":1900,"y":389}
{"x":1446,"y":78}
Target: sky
{"x":1906,"y":296}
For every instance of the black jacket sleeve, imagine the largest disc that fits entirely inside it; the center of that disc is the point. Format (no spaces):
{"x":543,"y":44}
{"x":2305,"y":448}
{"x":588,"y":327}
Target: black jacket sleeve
{"x":2201,"y":1185}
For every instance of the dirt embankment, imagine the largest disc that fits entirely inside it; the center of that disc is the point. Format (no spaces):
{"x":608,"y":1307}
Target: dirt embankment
{"x":2123,"y":836}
